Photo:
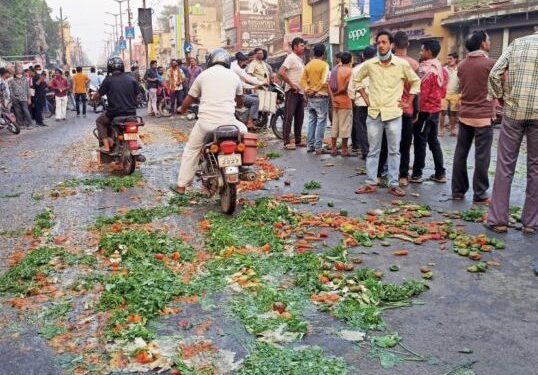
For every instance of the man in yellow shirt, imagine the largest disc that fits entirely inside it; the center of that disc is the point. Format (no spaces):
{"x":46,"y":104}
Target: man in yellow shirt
{"x":80,"y":86}
{"x":258,"y":68}
{"x":314,"y":82}
{"x":387,"y":75}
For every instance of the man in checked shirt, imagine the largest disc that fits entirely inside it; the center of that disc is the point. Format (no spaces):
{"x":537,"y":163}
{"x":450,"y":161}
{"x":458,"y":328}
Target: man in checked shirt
{"x":520,"y":96}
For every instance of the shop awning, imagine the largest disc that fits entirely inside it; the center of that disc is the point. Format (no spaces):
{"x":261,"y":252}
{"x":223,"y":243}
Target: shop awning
{"x":466,"y":16}
{"x":315,"y":39}
{"x":402,"y":20}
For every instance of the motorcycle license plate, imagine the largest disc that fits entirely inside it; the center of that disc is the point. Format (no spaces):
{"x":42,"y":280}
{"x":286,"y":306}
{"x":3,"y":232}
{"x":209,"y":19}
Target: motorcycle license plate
{"x":233,"y":160}
{"x":130,"y":136}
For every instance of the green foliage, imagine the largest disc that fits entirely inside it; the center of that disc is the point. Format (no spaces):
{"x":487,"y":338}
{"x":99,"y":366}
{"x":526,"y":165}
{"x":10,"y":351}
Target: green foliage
{"x":273,"y":155}
{"x":250,"y":308}
{"x":269,"y":360}
{"x":253,"y":226}
{"x":43,"y":221}
{"x":116,"y":183}
{"x":474,"y":214}
{"x":312,"y":185}
{"x":22,"y":278}
{"x":138,"y":216}
{"x":49,"y":331}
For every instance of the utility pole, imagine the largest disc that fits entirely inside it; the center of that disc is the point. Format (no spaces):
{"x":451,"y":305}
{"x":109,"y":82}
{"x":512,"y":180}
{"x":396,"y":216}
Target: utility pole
{"x":187,"y":24}
{"x":121,"y":27}
{"x":130,"y":39}
{"x":64,"y":58}
{"x":116,"y":37}
{"x":145,"y":43}
{"x":342,"y":25}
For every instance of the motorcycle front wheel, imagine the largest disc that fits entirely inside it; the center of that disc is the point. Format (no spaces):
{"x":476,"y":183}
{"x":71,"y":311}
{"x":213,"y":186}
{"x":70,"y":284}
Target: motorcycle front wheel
{"x":277,"y":123}
{"x":164,"y":108}
{"x":228,"y":198}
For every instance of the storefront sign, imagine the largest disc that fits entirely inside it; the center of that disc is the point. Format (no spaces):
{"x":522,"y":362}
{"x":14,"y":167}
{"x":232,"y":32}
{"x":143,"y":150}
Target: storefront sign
{"x":358,"y":34}
{"x":402,"y":7}
{"x":258,"y":22}
{"x":294,"y":24}
{"x":228,"y":13}
{"x":291,"y":8}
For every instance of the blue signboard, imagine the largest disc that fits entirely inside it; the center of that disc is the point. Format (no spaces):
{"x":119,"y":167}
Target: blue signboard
{"x":123,"y":44}
{"x":187,"y":47}
{"x":129,"y":32}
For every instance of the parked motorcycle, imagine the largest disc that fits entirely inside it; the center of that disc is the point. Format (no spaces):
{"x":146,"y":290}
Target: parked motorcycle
{"x":163,"y":101}
{"x":102,"y":102}
{"x":223,"y":163}
{"x":9,"y":121}
{"x":126,"y":150}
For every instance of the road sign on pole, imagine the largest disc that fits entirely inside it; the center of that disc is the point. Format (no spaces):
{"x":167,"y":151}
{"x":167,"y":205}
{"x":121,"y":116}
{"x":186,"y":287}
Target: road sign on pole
{"x":130,"y":32}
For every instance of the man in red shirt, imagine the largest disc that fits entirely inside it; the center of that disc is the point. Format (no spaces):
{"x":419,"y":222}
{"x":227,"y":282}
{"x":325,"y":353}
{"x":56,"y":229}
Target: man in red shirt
{"x":434,"y":79}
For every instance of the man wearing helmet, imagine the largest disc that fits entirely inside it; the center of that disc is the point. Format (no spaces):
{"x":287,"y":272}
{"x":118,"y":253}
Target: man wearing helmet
{"x":122,"y":91}
{"x":219,"y":90}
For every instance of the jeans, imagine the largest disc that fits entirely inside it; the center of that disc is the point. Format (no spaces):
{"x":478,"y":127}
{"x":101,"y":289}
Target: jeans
{"x":425,"y":133}
{"x":152,"y":102}
{"x":61,"y":107}
{"x":176,"y":99}
{"x":317,"y":121}
{"x":483,"y":138}
{"x":22,"y":112}
{"x":393,"y":130}
{"x":293,"y":111}
{"x":359,"y":135}
{"x":512,"y":133}
{"x":253,"y":104}
{"x":71,"y":101}
{"x":78,"y":99}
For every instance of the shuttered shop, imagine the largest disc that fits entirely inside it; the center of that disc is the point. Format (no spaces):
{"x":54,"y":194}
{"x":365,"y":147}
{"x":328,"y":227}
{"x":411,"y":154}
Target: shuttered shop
{"x":496,"y":38}
{"x":518,"y":32}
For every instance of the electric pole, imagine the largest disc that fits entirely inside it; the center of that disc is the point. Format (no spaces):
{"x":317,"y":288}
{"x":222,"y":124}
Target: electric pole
{"x":145,"y":43}
{"x":130,"y":39}
{"x":121,"y":27}
{"x":64,"y":58}
{"x":342,"y":25}
{"x":187,"y":24}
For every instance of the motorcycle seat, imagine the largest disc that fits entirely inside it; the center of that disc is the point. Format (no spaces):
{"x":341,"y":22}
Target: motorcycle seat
{"x":124,"y":119}
{"x":222,"y":133}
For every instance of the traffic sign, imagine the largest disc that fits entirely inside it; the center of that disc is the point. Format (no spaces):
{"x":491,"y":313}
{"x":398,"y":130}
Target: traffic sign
{"x":187,"y":47}
{"x":123,"y":44}
{"x":129,"y":32}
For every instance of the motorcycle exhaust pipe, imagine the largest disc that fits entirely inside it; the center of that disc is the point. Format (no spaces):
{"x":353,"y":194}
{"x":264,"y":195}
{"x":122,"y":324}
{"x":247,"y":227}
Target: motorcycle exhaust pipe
{"x":247,"y":176}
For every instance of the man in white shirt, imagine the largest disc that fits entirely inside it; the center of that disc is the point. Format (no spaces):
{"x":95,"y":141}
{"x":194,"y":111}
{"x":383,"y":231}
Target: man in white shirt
{"x":218,"y":89}
{"x":95,"y":80}
{"x":250,"y":83}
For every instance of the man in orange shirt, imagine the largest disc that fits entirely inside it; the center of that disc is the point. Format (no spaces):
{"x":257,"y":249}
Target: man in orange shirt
{"x":342,"y":105}
{"x":80,"y":86}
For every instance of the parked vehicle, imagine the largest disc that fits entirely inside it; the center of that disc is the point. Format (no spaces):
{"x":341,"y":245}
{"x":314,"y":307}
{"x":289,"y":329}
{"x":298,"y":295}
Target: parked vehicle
{"x":126,"y":150}
{"x":9,"y":121}
{"x":163,"y":101}
{"x":224,"y":162}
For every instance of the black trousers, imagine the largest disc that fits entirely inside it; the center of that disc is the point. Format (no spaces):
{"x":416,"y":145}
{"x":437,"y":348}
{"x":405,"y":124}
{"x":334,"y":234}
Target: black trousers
{"x":405,"y":148}
{"x":425,"y":133}
{"x":293,"y":111}
{"x":483,"y":138}
{"x":39,"y":105}
{"x":359,"y":134}
{"x":81,"y":98}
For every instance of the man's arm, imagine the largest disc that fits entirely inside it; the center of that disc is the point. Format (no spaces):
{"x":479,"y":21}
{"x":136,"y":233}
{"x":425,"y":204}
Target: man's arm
{"x":495,"y":83}
{"x":186,"y":104}
{"x":358,"y":79}
{"x":284,"y":74}
{"x":411,"y":77}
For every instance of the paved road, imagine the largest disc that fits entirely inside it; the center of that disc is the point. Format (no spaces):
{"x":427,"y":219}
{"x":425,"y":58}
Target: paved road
{"x":494,"y":314}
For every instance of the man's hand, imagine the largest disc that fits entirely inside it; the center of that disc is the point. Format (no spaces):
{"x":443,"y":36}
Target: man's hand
{"x":294,"y":88}
{"x":29,"y":101}
{"x":404,"y":104}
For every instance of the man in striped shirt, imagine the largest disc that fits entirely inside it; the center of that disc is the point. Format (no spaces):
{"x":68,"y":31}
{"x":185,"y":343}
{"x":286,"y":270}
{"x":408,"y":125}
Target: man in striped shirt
{"x":519,"y":94}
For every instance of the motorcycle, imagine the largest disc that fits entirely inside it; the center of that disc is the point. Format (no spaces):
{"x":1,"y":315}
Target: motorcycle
{"x":276,"y":119}
{"x":223,"y":163}
{"x":97,"y":103}
{"x":9,"y":121}
{"x":124,"y":132}
{"x":163,"y":102}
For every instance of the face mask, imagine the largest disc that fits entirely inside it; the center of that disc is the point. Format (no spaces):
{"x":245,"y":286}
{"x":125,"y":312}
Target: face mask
{"x":19,"y":76}
{"x":38,"y":71}
{"x":384,"y":57}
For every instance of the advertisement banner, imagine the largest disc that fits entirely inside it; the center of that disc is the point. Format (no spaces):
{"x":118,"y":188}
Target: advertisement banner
{"x":291,"y":8}
{"x":394,"y":8}
{"x":228,"y":13}
{"x":258,"y":22}
{"x":295,"y":24}
{"x":358,"y":34}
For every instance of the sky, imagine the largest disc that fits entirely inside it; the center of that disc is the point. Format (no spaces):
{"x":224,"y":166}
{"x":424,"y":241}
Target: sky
{"x":88,"y":19}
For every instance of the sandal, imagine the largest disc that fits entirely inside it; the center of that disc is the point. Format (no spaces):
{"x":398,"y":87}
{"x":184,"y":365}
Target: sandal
{"x":529,"y":230}
{"x":438,"y":179}
{"x":302,"y":144}
{"x":366,"y":189}
{"x":178,"y":190}
{"x":290,"y":146}
{"x":496,"y":228}
{"x":483,"y":202}
{"x":397,"y":191}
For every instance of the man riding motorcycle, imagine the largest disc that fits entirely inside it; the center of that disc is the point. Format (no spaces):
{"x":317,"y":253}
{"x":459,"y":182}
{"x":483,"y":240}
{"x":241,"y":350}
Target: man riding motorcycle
{"x":219,"y":91}
{"x":122,"y":92}
{"x":250,"y":83}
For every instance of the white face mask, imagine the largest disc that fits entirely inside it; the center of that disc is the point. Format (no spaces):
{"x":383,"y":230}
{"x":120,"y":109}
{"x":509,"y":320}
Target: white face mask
{"x":38,"y":71}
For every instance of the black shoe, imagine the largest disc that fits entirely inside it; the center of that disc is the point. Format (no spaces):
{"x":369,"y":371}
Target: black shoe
{"x":310,"y":150}
{"x":438,"y":179}
{"x":41,"y":124}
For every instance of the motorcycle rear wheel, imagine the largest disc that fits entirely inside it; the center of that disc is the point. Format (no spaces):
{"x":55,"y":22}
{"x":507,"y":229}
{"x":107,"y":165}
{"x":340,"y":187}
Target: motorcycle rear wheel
{"x":277,"y":123}
{"x":164,"y":109}
{"x":228,"y":198}
{"x":13,"y":127}
{"x":128,"y":163}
